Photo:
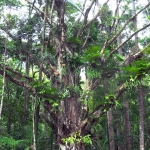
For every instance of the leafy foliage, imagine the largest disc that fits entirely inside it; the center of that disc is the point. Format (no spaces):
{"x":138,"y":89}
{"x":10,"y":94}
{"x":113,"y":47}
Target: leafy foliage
{"x":91,"y":54}
{"x":77,"y":138}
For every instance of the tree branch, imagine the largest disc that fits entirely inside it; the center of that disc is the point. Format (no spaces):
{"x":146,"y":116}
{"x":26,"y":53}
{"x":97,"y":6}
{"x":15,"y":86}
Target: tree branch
{"x":49,"y":122}
{"x":20,"y":83}
{"x":90,"y":22}
{"x":87,"y":12}
{"x":99,"y":110}
{"x":119,"y":32}
{"x":116,"y":12}
{"x":129,"y":38}
{"x":41,"y":13}
{"x":17,"y":73}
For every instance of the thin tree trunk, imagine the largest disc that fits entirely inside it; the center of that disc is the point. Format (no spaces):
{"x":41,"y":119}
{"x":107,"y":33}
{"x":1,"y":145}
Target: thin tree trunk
{"x":34,"y":124}
{"x":110,"y":130}
{"x":127,"y":131}
{"x":141,"y":117}
{"x":2,"y":98}
{"x":118,"y":129}
{"x":9,"y":122}
{"x":140,"y":93}
{"x":26,"y":93}
{"x":135,"y":27}
{"x":119,"y":37}
{"x":147,"y":123}
{"x":3,"y":82}
{"x":120,"y":52}
{"x":37,"y":104}
{"x":117,"y":111}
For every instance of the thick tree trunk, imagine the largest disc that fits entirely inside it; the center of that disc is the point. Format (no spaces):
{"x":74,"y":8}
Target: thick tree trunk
{"x":141,"y":119}
{"x":77,"y":147}
{"x":68,"y":122}
{"x":110,"y":130}
{"x":127,"y":131}
{"x":69,"y":117}
{"x":72,"y":147}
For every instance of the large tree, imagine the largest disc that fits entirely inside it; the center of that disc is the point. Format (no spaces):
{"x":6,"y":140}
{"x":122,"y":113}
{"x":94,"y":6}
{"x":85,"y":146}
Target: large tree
{"x":55,"y":43}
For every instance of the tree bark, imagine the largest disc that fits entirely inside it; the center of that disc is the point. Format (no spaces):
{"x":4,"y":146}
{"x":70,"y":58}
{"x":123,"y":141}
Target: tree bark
{"x":3,"y":80}
{"x":141,"y":117}
{"x":127,"y":131}
{"x":135,"y":26}
{"x":117,"y":22}
{"x":26,"y":92}
{"x":118,"y":129}
{"x":72,"y":147}
{"x":110,"y":130}
{"x":9,"y":120}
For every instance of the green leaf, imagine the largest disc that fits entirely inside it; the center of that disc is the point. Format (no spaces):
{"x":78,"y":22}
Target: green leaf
{"x":106,"y":53}
{"x":74,"y":40}
{"x":92,"y":53}
{"x":147,"y":49}
{"x":87,"y":139}
{"x":148,"y":17}
{"x":132,"y":69}
{"x":118,"y":57}
{"x":74,"y":5}
{"x":117,"y":103}
{"x":55,"y":104}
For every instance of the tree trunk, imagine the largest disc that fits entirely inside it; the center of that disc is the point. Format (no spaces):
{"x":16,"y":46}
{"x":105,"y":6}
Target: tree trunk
{"x":119,"y":37}
{"x":68,"y":122}
{"x":35,"y":109}
{"x":69,"y":118}
{"x":3,"y":81}
{"x":110,"y":130}
{"x":147,"y":123}
{"x":26,"y":93}
{"x":79,"y":146}
{"x":9,"y":97}
{"x":34,"y":125}
{"x":118,"y":129}
{"x":127,"y":131}
{"x":117,"y":111}
{"x":135,"y":27}
{"x":141,"y":115}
